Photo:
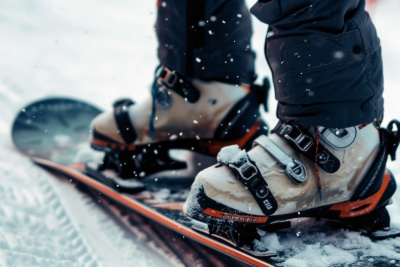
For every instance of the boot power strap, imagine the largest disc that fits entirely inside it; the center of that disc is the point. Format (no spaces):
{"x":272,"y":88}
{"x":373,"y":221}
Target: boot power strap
{"x":177,"y":83}
{"x":124,"y":124}
{"x":293,"y":168}
{"x":306,"y":144}
{"x":247,"y":172}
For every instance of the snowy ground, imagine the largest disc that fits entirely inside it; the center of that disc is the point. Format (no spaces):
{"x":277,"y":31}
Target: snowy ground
{"x":101,"y":50}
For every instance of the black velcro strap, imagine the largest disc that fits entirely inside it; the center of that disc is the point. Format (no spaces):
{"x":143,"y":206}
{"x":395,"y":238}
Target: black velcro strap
{"x":124,"y":124}
{"x":177,"y":83}
{"x":305,"y":143}
{"x":248,"y":173}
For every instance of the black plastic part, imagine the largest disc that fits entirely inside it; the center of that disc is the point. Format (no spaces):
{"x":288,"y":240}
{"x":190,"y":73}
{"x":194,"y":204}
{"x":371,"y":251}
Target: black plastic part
{"x":276,"y":226}
{"x":262,"y":92}
{"x":240,"y":236}
{"x":134,"y":187}
{"x":306,"y":144}
{"x":124,"y":124}
{"x":377,"y":219}
{"x":133,"y":164}
{"x":243,"y":114}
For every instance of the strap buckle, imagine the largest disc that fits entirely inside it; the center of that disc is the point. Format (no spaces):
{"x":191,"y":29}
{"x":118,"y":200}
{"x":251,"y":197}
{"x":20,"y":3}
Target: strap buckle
{"x":172,"y":80}
{"x":296,"y":171}
{"x":244,"y":168}
{"x":293,"y":168}
{"x":301,"y":140}
{"x":167,"y":77}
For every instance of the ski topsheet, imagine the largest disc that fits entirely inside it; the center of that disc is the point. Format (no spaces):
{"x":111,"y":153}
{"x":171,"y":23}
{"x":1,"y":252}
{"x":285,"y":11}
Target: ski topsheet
{"x":54,"y":133}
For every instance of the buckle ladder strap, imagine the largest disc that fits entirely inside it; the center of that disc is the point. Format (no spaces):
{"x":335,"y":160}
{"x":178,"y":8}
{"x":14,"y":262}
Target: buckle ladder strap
{"x":177,"y":83}
{"x":124,"y":124}
{"x":305,"y":143}
{"x":294,"y":168}
{"x":248,"y":173}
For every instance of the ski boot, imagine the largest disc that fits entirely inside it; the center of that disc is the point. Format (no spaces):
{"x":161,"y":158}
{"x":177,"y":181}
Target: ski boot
{"x":180,"y":113}
{"x":336,"y":174}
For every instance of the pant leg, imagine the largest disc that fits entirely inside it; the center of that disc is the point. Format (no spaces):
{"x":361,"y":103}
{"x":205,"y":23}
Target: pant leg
{"x":325,"y":57}
{"x":206,"y":39}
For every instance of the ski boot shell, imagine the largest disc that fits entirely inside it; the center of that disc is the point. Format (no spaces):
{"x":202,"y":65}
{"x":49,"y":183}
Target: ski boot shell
{"x":337,"y":174}
{"x":192,"y":115}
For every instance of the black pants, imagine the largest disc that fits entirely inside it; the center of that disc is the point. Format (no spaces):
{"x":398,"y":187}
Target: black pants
{"x":325,"y":55}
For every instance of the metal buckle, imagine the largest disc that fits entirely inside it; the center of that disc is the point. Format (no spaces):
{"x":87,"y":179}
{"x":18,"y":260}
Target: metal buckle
{"x":302,"y":141}
{"x":167,"y":77}
{"x":296,"y":171}
{"x":246,"y":169}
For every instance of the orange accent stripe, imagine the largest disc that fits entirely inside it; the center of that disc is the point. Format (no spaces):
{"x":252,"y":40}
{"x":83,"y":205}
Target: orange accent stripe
{"x":234,"y":217}
{"x":215,"y":146}
{"x":352,"y":209}
{"x":151,"y":214}
{"x":102,"y":143}
{"x":77,"y":166}
{"x":246,"y":88}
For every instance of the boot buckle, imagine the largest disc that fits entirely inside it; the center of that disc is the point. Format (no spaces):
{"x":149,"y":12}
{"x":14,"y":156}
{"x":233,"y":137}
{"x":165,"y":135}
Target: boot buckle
{"x":296,"y":171}
{"x":167,"y":77}
{"x":244,"y":168}
{"x":302,"y":141}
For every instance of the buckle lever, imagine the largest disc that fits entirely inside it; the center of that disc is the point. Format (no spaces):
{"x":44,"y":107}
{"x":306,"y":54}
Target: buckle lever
{"x":302,"y":141}
{"x":246,"y":169}
{"x":297,"y":171}
{"x":167,"y":77}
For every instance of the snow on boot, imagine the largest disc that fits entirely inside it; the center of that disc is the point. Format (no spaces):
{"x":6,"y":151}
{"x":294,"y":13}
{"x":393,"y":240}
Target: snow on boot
{"x":180,"y":113}
{"x":337,"y":174}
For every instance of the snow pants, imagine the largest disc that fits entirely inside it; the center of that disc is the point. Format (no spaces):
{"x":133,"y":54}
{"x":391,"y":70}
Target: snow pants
{"x":324,"y":55}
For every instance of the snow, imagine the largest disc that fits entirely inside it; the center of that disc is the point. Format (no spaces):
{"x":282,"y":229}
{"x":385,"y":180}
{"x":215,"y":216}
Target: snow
{"x":228,"y":153}
{"x":102,"y":50}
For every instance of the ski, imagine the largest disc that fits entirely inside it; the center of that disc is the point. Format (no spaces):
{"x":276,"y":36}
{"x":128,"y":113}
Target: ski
{"x":54,"y":134}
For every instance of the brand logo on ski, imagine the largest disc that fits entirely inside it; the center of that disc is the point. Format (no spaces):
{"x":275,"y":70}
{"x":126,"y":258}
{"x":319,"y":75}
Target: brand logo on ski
{"x":234,"y":217}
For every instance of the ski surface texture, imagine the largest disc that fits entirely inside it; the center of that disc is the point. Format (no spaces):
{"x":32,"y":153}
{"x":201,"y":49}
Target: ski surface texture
{"x":54,"y":133}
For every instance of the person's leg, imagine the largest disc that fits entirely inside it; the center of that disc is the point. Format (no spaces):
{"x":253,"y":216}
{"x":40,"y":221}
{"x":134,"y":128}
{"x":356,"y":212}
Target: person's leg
{"x":325,"y":57}
{"x":327,"y":71}
{"x":202,"y":97}
{"x":206,"y":39}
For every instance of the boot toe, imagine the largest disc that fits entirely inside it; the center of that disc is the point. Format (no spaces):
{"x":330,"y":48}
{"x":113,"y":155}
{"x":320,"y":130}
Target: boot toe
{"x":218,"y":186}
{"x":105,"y":125}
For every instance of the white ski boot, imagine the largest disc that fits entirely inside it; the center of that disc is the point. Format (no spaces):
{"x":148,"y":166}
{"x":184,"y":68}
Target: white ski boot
{"x":337,"y":174}
{"x":180,"y":114}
